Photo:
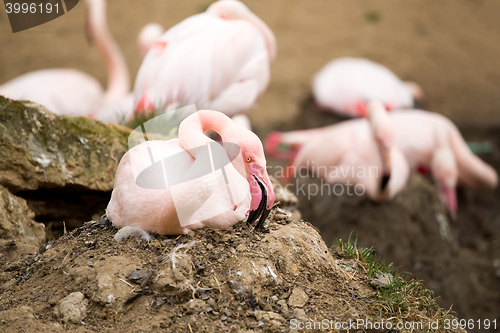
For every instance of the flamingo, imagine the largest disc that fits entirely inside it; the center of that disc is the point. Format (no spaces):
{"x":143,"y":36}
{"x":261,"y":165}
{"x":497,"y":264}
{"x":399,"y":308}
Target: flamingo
{"x":148,"y":35}
{"x":344,"y":86}
{"x":432,"y":142}
{"x":152,"y":209}
{"x":72,"y":92}
{"x":358,"y":151}
{"x":218,"y":59}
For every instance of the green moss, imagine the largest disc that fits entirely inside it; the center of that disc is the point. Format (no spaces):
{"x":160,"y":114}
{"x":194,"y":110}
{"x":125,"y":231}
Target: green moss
{"x":69,"y":149}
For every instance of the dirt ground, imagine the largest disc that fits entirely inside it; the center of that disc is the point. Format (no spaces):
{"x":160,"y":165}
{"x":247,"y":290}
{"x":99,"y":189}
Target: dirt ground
{"x":452,"y":48}
{"x":205,"y":281}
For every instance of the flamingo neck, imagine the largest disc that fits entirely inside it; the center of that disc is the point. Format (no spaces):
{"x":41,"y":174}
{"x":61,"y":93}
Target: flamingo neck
{"x":191,"y":133}
{"x":118,"y":75}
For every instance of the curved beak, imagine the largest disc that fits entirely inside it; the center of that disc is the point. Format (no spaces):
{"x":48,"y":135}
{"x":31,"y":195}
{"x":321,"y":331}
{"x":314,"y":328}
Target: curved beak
{"x":450,"y":198}
{"x":386,"y":168}
{"x":266,"y":195}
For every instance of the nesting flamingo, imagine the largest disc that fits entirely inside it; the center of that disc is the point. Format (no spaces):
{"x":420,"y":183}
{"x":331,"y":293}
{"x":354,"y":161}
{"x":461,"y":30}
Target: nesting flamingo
{"x":153,"y":210}
{"x":218,"y":59}
{"x":432,"y":142}
{"x":345,"y":85}
{"x":358,"y":151}
{"x":72,"y":92}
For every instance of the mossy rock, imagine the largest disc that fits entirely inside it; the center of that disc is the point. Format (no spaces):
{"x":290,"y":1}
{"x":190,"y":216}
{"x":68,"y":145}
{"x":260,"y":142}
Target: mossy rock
{"x":41,"y":150}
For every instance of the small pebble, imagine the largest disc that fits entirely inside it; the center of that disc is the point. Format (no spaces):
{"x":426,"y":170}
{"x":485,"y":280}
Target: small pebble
{"x":138,"y":275}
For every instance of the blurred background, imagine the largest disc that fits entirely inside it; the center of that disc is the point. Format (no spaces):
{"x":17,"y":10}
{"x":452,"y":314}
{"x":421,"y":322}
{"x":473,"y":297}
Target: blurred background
{"x":450,"y":47}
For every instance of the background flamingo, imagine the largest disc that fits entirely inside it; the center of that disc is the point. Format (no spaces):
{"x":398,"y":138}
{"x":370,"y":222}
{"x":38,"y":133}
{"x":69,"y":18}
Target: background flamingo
{"x":350,"y":147}
{"x":432,"y":142}
{"x":218,"y":59}
{"x":69,"y":91}
{"x":154,"y":209}
{"x":148,"y":35}
{"x":344,"y":86}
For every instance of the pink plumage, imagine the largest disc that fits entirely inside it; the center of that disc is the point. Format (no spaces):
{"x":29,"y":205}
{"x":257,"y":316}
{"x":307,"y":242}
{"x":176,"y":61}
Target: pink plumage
{"x":345,"y":85}
{"x":358,"y":151}
{"x":218,"y":59}
{"x":148,"y":35}
{"x":421,"y":140}
{"x":161,"y":210}
{"x":431,"y":141}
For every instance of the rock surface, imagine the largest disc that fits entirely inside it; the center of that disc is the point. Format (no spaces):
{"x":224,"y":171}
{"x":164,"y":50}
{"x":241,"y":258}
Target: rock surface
{"x":16,"y":220}
{"x":64,"y":168}
{"x":72,"y":308}
{"x":41,"y":150}
{"x":298,"y":298}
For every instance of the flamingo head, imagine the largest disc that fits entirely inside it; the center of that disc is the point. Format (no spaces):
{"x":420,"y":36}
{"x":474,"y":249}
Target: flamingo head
{"x":236,"y":10}
{"x":261,"y":188}
{"x":418,"y":94}
{"x":383,"y":134}
{"x":277,"y":149}
{"x":149,"y":34}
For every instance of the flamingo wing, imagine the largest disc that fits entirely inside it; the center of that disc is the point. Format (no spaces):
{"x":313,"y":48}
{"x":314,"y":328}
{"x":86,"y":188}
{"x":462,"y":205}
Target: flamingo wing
{"x":207,"y":61}
{"x":345,"y":82}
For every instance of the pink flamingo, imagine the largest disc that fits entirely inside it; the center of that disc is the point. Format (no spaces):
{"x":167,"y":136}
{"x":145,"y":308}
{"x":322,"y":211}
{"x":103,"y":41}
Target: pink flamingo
{"x":218,"y":59}
{"x":432,"y":142}
{"x":148,"y":35}
{"x":72,"y":92}
{"x":344,"y":86}
{"x":153,"y":210}
{"x":358,"y":151}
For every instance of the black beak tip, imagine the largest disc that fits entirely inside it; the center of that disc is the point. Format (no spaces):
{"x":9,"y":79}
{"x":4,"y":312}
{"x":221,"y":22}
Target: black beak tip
{"x":385,"y":181}
{"x":252,"y":217}
{"x":261,"y":212}
{"x":262,"y":219}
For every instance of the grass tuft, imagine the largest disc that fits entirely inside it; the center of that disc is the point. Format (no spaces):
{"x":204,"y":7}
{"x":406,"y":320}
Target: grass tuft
{"x":403,"y":297}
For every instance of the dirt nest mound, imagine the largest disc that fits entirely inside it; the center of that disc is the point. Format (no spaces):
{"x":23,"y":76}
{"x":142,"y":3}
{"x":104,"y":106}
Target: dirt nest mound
{"x":208,"y":280}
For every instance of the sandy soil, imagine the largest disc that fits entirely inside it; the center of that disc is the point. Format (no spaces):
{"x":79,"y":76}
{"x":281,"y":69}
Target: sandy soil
{"x":452,"y":48}
{"x":206,"y":281}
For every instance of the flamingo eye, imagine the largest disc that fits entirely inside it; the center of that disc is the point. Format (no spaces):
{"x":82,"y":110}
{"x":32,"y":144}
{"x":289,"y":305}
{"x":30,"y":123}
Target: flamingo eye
{"x":248,"y":159}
